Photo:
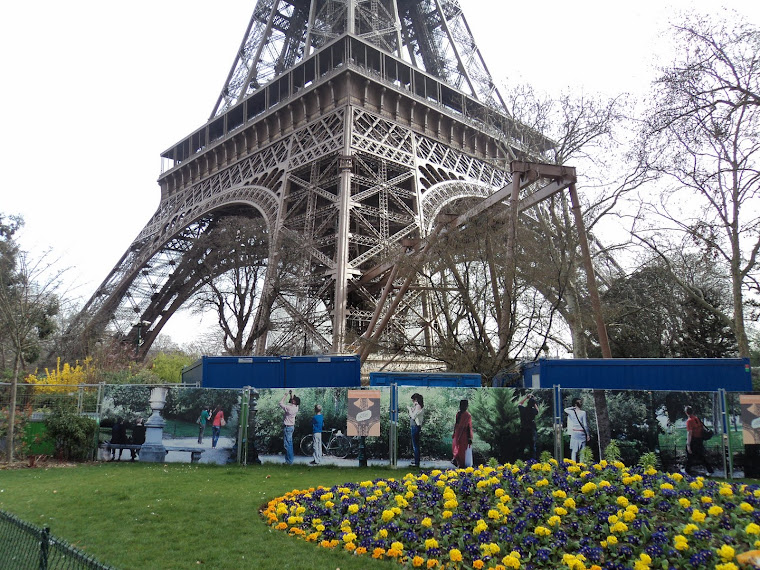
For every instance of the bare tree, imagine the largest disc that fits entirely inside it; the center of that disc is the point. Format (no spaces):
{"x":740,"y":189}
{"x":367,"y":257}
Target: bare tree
{"x":28,"y":302}
{"x":233,"y":274}
{"x":702,"y":138}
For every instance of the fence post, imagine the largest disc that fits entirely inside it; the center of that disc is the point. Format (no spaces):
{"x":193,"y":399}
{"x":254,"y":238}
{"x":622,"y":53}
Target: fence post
{"x":728,"y":461}
{"x":44,"y":544}
{"x":558,"y":448}
{"x":242,"y":448}
{"x":393,"y":439}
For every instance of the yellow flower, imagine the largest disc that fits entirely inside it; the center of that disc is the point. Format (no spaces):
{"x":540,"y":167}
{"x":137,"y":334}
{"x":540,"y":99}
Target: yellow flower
{"x":383,"y":533}
{"x":698,"y":516}
{"x":752,"y":528}
{"x":690,"y":529}
{"x":611,"y":540}
{"x":727,"y":566}
{"x":648,"y":493}
{"x":622,"y":501}
{"x":706,"y":500}
{"x":431,"y":543}
{"x":554,"y":520}
{"x":680,"y":542}
{"x":727,"y":553}
{"x":427,"y":522}
{"x":353,"y":509}
{"x":510,"y":561}
{"x":746,"y":507}
{"x":447,"y":514}
{"x":685,"y":503}
{"x":542,"y":531}
{"x":589,"y":487}
{"x":715,"y":511}
{"x":726,"y":491}
{"x":667,"y":486}
{"x":455,"y":555}
{"x":397,"y":546}
{"x":387,"y":515}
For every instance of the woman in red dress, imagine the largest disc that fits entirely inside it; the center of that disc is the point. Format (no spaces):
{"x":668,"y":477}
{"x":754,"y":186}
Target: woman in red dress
{"x":462,"y":439}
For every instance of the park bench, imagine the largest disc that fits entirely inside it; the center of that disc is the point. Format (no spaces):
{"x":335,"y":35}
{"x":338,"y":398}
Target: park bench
{"x":108,"y":446}
{"x":195,"y":453}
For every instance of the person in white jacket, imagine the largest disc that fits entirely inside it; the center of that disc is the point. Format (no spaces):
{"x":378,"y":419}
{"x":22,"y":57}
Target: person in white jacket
{"x":577,"y":427}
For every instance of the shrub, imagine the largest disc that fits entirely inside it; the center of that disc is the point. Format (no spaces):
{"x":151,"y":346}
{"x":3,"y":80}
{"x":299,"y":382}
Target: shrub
{"x":648,"y":459}
{"x":612,"y":451}
{"x":74,"y":435}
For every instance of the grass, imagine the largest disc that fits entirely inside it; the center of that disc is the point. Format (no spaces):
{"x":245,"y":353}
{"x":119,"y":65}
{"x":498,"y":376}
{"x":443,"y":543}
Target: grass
{"x":169,"y":516}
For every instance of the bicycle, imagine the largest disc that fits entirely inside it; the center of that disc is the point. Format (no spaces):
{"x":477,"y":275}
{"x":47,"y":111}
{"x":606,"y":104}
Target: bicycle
{"x":338,"y":445}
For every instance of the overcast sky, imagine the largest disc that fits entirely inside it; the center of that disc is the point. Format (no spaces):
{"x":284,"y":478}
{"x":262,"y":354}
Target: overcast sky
{"x":94,"y":91}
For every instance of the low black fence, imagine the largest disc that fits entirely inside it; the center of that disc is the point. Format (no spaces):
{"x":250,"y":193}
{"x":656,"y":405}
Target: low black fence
{"x":26,"y":546}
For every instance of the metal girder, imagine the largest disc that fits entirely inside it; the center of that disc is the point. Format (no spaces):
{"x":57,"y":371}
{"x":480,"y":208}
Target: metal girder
{"x":431,"y":34}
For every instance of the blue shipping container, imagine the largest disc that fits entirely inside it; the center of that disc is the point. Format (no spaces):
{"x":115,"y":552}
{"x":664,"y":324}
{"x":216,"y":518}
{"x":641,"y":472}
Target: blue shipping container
{"x":681,"y":374}
{"x":431,"y":379}
{"x":274,"y":371}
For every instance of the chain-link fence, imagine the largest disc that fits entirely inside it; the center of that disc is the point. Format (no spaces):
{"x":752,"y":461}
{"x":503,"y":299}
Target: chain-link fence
{"x":24,"y":545}
{"x":33,"y":404}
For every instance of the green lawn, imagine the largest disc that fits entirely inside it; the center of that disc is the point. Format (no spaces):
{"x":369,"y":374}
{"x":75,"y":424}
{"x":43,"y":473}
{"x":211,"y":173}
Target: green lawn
{"x":133,"y":515}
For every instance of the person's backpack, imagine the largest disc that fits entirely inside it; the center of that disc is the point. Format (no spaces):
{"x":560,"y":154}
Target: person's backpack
{"x":706,"y":432}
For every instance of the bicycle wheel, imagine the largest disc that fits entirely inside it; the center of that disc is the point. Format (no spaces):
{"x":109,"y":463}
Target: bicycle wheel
{"x":339,"y":447}
{"x":307,"y":445}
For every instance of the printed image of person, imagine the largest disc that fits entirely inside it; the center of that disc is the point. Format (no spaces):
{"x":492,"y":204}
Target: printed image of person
{"x":118,"y":437}
{"x":528,"y":408}
{"x":204,"y":416}
{"x":416,"y":419}
{"x":317,"y":423}
{"x":695,"y":447}
{"x":577,"y":427}
{"x":289,"y":405}
{"x":461,"y":443}
{"x":217,"y":423}
{"x":138,"y":436}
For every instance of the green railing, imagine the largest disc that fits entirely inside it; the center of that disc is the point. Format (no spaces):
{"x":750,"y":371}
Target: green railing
{"x":25,"y":546}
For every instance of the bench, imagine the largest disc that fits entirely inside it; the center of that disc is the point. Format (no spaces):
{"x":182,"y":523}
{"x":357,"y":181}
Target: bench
{"x":195,"y":453}
{"x":108,"y":446}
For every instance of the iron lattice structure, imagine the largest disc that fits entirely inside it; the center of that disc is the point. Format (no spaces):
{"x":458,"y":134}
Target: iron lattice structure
{"x":347,"y":125}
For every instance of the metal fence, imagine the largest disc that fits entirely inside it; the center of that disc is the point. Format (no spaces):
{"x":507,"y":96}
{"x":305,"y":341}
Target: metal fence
{"x":25,"y":546}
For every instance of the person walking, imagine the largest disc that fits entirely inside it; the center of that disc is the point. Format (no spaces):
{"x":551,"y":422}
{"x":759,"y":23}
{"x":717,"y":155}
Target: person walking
{"x":695,"y":446}
{"x":577,"y":426}
{"x":416,"y":419}
{"x":217,"y":423}
{"x":289,"y":405}
{"x":317,"y":423}
{"x":204,"y":416}
{"x":461,"y":443}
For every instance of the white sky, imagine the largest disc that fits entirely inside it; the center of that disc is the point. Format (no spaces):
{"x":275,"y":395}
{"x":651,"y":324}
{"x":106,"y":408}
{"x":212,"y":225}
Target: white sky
{"x":93,"y":91}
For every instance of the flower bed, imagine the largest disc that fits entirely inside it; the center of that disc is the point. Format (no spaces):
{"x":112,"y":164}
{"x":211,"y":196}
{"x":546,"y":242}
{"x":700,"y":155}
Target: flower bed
{"x":534,"y":515}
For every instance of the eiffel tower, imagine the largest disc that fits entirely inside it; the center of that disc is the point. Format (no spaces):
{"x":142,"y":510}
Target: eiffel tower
{"x":346,"y":126}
